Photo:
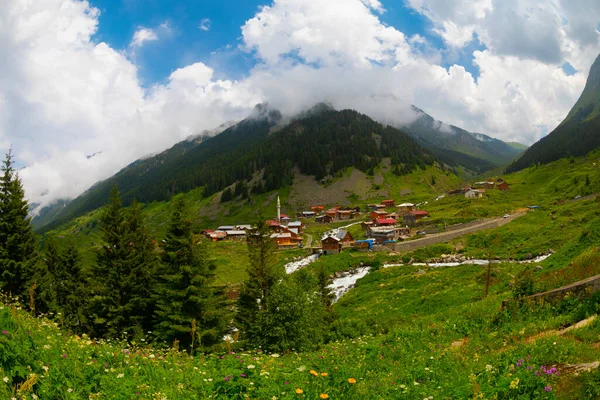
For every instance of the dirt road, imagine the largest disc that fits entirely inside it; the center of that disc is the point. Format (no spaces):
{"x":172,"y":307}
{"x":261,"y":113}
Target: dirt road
{"x":448,"y":236}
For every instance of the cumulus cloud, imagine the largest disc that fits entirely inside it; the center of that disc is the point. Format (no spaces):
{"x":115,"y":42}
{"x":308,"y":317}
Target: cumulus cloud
{"x":143,"y":35}
{"x":64,"y":96}
{"x":205,"y":25}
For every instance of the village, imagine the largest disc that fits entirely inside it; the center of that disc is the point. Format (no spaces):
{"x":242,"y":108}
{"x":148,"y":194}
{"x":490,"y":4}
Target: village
{"x":383,"y":224}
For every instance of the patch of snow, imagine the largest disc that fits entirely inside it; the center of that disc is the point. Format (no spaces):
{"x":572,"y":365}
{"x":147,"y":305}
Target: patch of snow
{"x":292,"y":267}
{"x":344,"y":283}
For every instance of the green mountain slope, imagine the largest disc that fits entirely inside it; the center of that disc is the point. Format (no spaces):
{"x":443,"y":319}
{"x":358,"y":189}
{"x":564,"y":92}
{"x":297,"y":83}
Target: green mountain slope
{"x":261,"y":154}
{"x":577,"y":135}
{"x":518,"y":146}
{"x":455,"y":146}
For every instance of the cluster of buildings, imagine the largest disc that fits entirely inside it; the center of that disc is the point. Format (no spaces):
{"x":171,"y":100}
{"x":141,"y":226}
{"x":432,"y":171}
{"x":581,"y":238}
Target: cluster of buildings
{"x":478,"y":189}
{"x":327,"y":216}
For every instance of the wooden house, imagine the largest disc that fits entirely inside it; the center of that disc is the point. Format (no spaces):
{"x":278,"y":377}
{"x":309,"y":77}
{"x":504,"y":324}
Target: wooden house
{"x":344,"y":236}
{"x":346,"y":214}
{"x":324,"y":219}
{"x":385,"y":222}
{"x":298,"y":226}
{"x":404,"y":208}
{"x":236,"y":234}
{"x":332,"y":212}
{"x":286,"y":239}
{"x":331,"y":245}
{"x":414,"y":216}
{"x":389,"y":203}
{"x":375,"y":215}
{"x":385,"y":233}
{"x":503,"y":186}
{"x":317,"y":209}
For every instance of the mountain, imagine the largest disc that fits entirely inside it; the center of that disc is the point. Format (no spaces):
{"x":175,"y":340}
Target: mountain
{"x":518,"y":146}
{"x":577,"y":135}
{"x":261,"y":154}
{"x":455,"y":146}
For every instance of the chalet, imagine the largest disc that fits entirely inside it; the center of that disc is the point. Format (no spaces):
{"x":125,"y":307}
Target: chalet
{"x":331,"y":245}
{"x":414,"y":216}
{"x":317,"y":209}
{"x":284,"y":219}
{"x":375,"y":215}
{"x":332,"y":212}
{"x":346,"y":214}
{"x":503,"y":186}
{"x":224,"y":228}
{"x":324,"y":219}
{"x":367,"y":224}
{"x":307,"y":214}
{"x":344,"y":236}
{"x":385,"y":222}
{"x":404,"y":208}
{"x":286,"y":239}
{"x":236,"y":234}
{"x":489,"y":185}
{"x":297,"y":226}
{"x":217,"y":235}
{"x":474,"y":194}
{"x":384,"y":233}
{"x":389,"y":203}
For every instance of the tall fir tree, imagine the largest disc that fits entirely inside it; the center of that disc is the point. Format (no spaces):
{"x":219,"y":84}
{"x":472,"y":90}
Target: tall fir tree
{"x":17,"y":240}
{"x":262,"y":276}
{"x":122,"y":300}
{"x":186,"y":309}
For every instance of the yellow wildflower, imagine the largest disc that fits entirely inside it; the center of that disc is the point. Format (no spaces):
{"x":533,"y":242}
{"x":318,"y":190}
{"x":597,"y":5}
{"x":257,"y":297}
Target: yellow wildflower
{"x":314,"y":373}
{"x":351,"y":381}
{"x":323,"y":396}
{"x":324,"y":374}
{"x":299,"y":391}
{"x":514,"y":384}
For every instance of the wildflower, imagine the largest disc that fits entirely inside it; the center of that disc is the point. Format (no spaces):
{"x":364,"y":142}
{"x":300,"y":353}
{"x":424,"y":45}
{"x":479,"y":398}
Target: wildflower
{"x":548,"y":388}
{"x":351,"y":381}
{"x":324,"y":374}
{"x":250,"y":366}
{"x":5,"y":379}
{"x":4,"y":332}
{"x":489,"y":368}
{"x":323,"y":396}
{"x":275,"y":355}
{"x":243,"y":375}
{"x":514,"y":384}
{"x":520,"y":362}
{"x":120,"y":376}
{"x":69,"y":390}
{"x":314,"y":373}
{"x":64,"y":355}
{"x":299,"y":391}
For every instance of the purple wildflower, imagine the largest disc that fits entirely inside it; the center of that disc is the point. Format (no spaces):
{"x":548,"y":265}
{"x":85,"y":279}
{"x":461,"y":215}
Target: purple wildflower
{"x":64,"y":356}
{"x":520,"y":362}
{"x":243,"y":375}
{"x":548,"y":388}
{"x":287,"y":383}
{"x":529,"y":367}
{"x":4,"y":332}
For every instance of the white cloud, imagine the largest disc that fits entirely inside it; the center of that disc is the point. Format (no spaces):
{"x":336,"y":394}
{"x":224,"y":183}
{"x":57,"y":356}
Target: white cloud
{"x":205,"y":25}
{"x":64,"y":96}
{"x":143,"y":35}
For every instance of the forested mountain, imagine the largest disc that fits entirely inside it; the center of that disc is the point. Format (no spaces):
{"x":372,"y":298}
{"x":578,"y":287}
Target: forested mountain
{"x":455,"y":146}
{"x":260,"y":153}
{"x":577,"y":135}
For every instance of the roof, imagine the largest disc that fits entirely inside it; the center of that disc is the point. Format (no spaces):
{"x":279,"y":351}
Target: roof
{"x":218,"y":234}
{"x":388,"y":201}
{"x":281,"y":235}
{"x":419,"y":213}
{"x":386,"y":221}
{"x":235,"y":233}
{"x":272,"y":222}
{"x":284,"y":216}
{"x":244,"y":226}
{"x":308,"y":212}
{"x":295,"y":223}
{"x":380,"y":212}
{"x":331,"y":237}
{"x":405,"y":205}
{"x":225,"y":228}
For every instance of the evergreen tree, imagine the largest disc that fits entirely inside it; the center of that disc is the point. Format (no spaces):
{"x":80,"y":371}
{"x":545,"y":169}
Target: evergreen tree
{"x":124,"y":272}
{"x":262,"y":276}
{"x":143,"y":261}
{"x":72,"y":283}
{"x":186,"y":309}
{"x":111,"y":270}
{"x":17,"y":240}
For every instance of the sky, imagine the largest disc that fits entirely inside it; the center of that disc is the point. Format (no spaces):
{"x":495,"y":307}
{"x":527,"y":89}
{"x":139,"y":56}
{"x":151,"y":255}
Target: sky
{"x":121,"y":79}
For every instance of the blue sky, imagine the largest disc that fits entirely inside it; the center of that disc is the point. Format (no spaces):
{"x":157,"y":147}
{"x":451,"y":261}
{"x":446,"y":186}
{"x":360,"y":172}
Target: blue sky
{"x":219,"y":45}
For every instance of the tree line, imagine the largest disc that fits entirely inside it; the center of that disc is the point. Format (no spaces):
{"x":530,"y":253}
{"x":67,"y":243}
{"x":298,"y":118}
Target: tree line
{"x":136,"y":288}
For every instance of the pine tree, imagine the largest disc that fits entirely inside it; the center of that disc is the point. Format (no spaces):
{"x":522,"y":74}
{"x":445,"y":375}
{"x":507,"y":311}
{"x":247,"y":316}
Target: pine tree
{"x":72,"y":283}
{"x":186,"y":309}
{"x":262,"y":277}
{"x":111,"y":270}
{"x":17,"y":240}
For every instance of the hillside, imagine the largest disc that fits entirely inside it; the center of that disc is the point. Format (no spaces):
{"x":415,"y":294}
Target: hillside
{"x":261,"y":155}
{"x":578,"y":134}
{"x":456,"y":146}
